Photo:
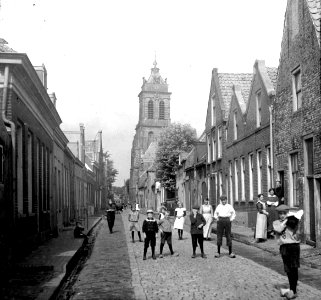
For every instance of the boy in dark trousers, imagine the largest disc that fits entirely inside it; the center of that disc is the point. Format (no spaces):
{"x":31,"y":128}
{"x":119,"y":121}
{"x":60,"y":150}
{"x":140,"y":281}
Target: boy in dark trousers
{"x":286,"y":229}
{"x":150,"y":229}
{"x":197,"y":224}
{"x":165,"y":227}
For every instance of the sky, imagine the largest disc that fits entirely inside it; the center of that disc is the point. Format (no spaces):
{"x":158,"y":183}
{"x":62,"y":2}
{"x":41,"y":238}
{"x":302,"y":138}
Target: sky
{"x":97,"y":52}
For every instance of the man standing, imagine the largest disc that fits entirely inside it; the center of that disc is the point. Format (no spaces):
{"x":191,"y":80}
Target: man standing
{"x":224,"y":214}
{"x":110,"y":214}
{"x":279,"y":192}
{"x":197,"y":224}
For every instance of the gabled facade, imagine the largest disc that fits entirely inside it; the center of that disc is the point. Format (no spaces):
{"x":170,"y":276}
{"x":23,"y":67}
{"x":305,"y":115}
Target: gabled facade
{"x":297,"y":114}
{"x":248,"y":162}
{"x":216,"y":129}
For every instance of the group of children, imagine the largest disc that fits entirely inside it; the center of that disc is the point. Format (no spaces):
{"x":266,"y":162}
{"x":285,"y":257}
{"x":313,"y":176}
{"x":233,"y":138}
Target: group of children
{"x":285,"y":228}
{"x":150,"y":229}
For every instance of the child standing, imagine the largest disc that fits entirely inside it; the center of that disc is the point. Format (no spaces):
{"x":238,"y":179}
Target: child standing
{"x":165,"y":227}
{"x":286,"y":229}
{"x":197,"y":224}
{"x":224,"y":214}
{"x":150,"y":229}
{"x":133,"y":219}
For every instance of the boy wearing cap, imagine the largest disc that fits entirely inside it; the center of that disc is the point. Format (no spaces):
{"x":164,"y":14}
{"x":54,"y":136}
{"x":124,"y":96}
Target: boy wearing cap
{"x":150,"y":229}
{"x":286,"y":229}
{"x":224,"y":214}
{"x":197,"y":224}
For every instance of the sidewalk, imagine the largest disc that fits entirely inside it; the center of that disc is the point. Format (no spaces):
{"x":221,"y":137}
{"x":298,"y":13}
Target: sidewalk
{"x":310,"y":256}
{"x":39,"y":274}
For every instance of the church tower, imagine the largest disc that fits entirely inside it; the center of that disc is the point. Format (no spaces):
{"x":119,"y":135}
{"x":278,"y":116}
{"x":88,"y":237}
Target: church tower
{"x":154,"y":115}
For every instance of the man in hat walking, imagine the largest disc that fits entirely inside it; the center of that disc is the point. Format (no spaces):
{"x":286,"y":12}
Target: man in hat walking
{"x":197,"y":224}
{"x":150,"y":229}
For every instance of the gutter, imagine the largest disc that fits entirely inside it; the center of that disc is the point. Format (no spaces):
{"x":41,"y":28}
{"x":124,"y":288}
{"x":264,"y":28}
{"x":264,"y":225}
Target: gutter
{"x":13,"y":131}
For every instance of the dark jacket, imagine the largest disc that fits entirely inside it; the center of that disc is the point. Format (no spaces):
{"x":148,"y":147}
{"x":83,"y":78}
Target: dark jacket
{"x":195,"y":222}
{"x":150,"y":226}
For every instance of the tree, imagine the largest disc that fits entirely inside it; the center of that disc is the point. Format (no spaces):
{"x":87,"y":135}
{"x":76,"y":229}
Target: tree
{"x":174,"y":139}
{"x":111,"y":175}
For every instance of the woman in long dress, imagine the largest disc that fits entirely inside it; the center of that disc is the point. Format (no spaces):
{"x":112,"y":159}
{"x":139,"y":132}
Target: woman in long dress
{"x":207,"y":212}
{"x":272,"y":203}
{"x":261,"y":219}
{"x":180,"y":213}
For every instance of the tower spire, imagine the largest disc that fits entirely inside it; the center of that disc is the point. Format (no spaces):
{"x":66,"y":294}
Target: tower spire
{"x":155,"y":62}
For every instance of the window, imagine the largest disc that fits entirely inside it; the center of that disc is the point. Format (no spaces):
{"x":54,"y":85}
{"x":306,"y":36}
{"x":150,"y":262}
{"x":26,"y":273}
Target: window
{"x":230,"y":184}
{"x":161,"y":110}
{"x":259,"y":171}
{"x":258,"y":109}
{"x":243,"y":178}
{"x":220,"y":179}
{"x":213,"y":147}
{"x":30,"y":169}
{"x":294,"y":174}
{"x":150,"y":109}
{"x":296,"y":89}
{"x":220,"y":142}
{"x":269,"y":167}
{"x":236,"y":180}
{"x":251,"y":170}
{"x":213,"y":110}
{"x":208,"y":148}
{"x":235,"y":125}
{"x":20,"y":168}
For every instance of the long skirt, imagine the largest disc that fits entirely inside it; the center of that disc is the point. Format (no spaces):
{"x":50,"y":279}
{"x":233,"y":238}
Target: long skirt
{"x":273,"y":215}
{"x":179,"y":223}
{"x":261,"y":226}
{"x":207,"y":229}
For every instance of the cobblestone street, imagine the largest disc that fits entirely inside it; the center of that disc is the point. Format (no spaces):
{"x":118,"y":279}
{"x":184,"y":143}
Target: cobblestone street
{"x":116,"y":270}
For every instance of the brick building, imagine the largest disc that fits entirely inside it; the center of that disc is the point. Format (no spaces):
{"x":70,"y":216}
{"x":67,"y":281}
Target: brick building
{"x":247,"y":159}
{"x":216,"y":128}
{"x":191,"y":179}
{"x":297,"y":114}
{"x":154,"y":115}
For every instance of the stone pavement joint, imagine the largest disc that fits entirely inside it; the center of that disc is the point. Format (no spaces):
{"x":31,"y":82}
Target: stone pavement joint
{"x":223,"y":278}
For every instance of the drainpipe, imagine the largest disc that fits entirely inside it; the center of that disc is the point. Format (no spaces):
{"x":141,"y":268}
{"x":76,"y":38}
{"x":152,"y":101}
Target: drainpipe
{"x":271,"y":140}
{"x":13,"y":132}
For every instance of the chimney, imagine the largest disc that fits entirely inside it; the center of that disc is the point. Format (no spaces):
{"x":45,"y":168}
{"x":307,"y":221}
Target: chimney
{"x":42,"y":74}
{"x":53,"y":98}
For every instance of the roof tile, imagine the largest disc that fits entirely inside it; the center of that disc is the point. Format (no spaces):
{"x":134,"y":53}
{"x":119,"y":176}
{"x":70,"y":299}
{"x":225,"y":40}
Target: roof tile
{"x":227,"y":80}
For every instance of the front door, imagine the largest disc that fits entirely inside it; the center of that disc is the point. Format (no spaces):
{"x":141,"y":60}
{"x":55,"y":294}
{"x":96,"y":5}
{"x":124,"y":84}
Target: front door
{"x":311,"y":209}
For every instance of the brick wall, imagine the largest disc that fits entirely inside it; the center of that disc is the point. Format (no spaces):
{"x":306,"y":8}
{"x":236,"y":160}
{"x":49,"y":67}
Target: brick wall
{"x":291,"y":128}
